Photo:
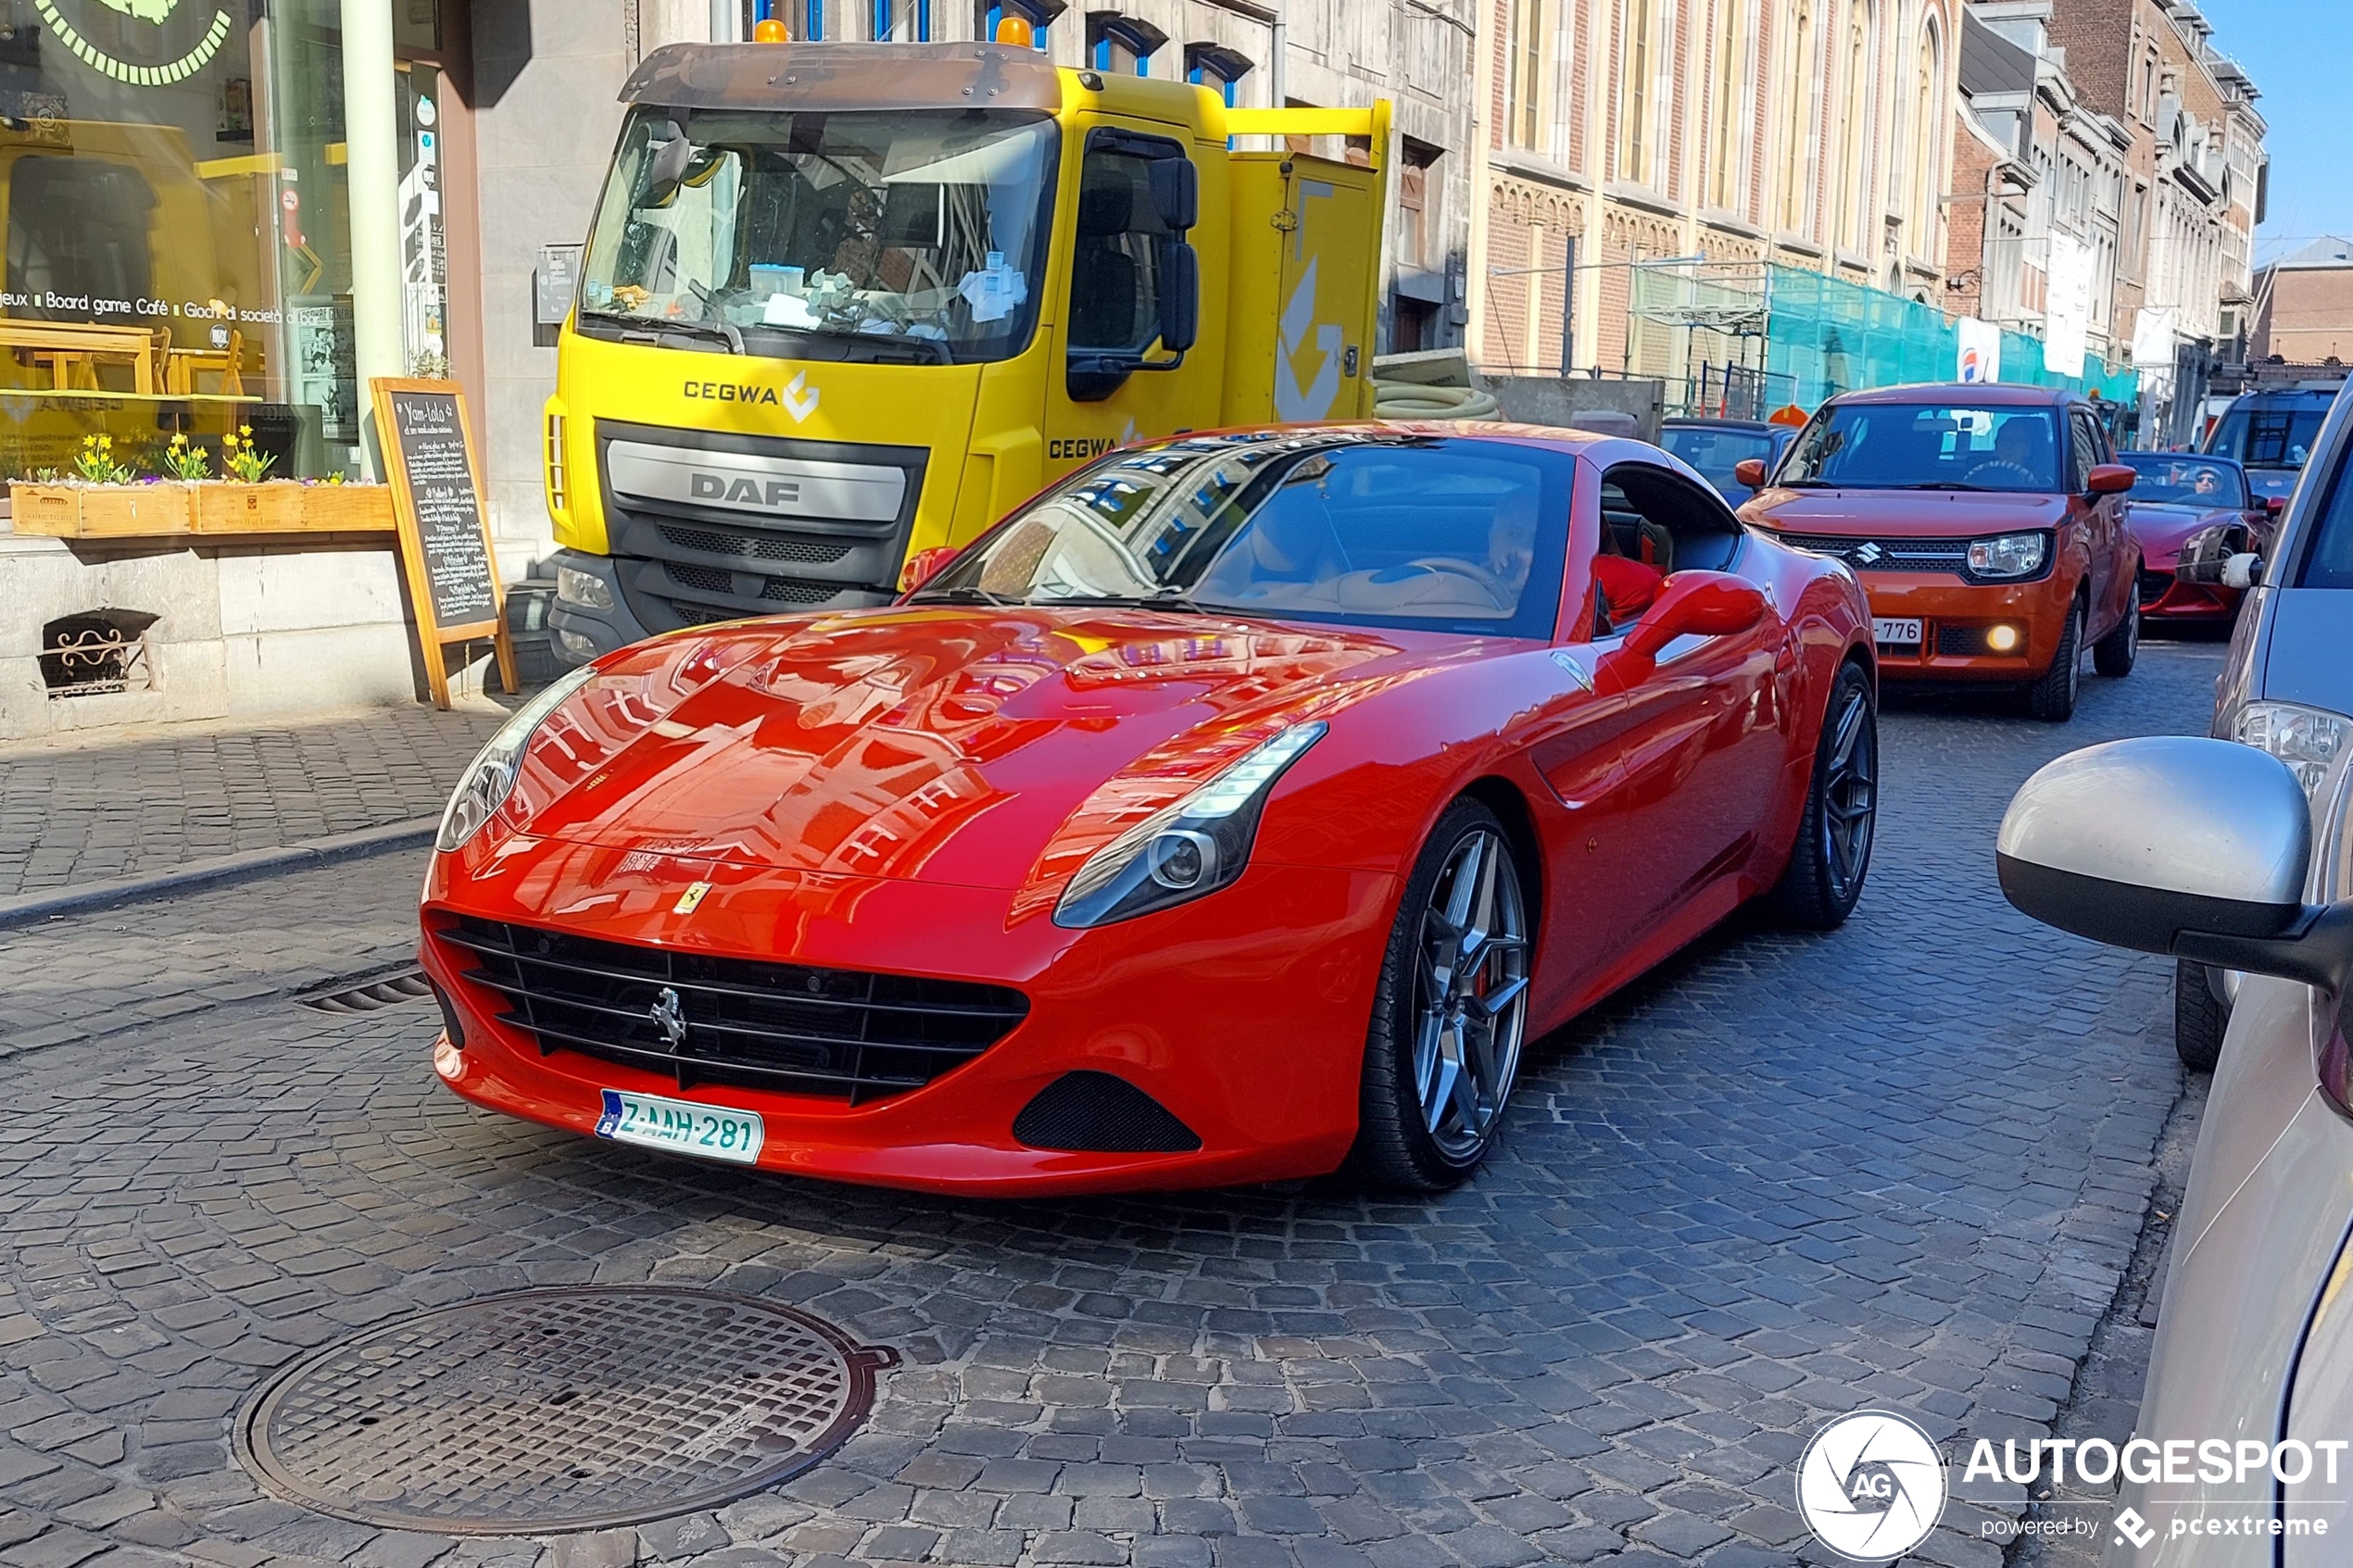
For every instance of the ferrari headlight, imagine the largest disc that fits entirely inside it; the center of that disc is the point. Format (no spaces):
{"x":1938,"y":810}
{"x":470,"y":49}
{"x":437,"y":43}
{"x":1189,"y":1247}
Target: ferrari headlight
{"x":490,"y":777}
{"x":2012,"y":555}
{"x":1194,"y":847}
{"x":2310,"y":740}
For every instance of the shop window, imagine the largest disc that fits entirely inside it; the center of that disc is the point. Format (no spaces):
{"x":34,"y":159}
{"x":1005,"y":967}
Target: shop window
{"x":78,"y":232}
{"x":96,"y":652}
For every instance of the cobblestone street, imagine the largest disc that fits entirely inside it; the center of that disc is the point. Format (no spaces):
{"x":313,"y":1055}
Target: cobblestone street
{"x":1904,"y":1164}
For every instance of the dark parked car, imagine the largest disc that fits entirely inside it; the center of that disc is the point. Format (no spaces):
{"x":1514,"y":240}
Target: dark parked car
{"x":1716,"y":447}
{"x":2272,"y":433}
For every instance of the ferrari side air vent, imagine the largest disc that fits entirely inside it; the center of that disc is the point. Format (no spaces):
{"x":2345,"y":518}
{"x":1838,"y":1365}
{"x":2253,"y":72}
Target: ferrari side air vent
{"x":1096,"y":1113}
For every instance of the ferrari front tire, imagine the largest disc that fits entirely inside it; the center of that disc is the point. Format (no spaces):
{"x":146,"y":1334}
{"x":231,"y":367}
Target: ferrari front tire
{"x":1450,"y":1011}
{"x":1826,"y":869}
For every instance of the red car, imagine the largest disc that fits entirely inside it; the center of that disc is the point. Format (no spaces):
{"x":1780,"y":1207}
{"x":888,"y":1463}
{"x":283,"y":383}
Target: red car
{"x":1987,"y":523}
{"x":2185,"y":499}
{"x":1232,"y":811}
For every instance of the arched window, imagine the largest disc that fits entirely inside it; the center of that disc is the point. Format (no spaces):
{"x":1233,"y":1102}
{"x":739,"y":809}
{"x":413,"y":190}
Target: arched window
{"x":1216,"y":67}
{"x":1854,"y":134}
{"x":1799,"y":75}
{"x":1638,"y":69}
{"x":1727,"y":109}
{"x":1122,"y":45}
{"x":1926,"y":124}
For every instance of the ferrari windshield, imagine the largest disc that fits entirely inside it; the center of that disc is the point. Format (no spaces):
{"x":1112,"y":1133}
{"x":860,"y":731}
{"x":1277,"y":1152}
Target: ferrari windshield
{"x":918,"y":235}
{"x":1927,"y":446}
{"x":1384,"y":530}
{"x":2180,"y":480}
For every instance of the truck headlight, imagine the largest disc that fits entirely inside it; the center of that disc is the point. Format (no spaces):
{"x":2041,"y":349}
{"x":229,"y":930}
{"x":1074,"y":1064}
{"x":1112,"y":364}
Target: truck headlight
{"x":490,"y":777}
{"x":583,"y":588}
{"x":2310,"y":740}
{"x":2012,"y":555}
{"x":1186,"y":849}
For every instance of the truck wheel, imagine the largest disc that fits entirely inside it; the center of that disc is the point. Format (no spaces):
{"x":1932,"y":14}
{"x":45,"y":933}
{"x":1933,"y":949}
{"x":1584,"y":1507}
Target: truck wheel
{"x":2199,"y":1017}
{"x":2052,"y":698}
{"x":2112,"y":655}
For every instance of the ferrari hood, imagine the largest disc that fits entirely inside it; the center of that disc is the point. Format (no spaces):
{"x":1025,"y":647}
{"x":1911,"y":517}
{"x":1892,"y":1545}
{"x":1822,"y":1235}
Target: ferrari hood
{"x":924,"y":742}
{"x":2161,"y":527}
{"x":1897,"y":514}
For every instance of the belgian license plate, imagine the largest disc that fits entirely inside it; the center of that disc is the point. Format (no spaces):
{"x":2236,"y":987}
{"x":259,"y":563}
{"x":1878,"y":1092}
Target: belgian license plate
{"x":708,"y":1132}
{"x":1896,"y":632}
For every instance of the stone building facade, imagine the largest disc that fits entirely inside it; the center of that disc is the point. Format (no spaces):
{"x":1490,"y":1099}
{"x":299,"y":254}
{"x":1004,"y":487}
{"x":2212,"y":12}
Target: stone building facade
{"x":1814,"y":134}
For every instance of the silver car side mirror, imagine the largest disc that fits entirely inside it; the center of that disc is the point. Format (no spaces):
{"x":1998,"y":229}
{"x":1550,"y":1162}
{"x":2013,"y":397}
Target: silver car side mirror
{"x":2196,"y":848}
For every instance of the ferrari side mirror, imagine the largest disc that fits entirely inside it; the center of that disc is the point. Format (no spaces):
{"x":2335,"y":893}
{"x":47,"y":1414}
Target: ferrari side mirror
{"x":925,"y":565}
{"x":1702,"y":604}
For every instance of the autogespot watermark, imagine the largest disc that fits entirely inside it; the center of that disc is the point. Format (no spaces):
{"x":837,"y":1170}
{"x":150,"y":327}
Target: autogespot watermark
{"x":1873,"y":1484}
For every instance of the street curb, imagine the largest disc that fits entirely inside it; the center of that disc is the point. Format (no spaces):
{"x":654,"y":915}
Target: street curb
{"x":32,"y":908}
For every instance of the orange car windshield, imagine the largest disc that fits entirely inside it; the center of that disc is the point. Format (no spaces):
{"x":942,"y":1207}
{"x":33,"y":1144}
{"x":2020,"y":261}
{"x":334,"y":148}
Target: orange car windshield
{"x":1927,"y":446}
{"x":1405,"y":531}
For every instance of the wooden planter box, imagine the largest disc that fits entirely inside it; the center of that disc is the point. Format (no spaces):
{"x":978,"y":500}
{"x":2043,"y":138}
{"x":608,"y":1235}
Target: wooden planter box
{"x":209,"y":508}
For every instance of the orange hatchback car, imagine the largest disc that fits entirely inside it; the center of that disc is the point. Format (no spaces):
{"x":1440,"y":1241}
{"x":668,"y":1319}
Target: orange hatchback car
{"x":1986,"y":523}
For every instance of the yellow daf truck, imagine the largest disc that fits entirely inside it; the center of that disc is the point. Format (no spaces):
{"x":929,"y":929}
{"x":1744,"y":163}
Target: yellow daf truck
{"x":843,"y":302}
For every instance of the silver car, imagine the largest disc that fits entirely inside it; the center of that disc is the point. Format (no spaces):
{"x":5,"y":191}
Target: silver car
{"x":2207,"y":850}
{"x":2287,"y":685}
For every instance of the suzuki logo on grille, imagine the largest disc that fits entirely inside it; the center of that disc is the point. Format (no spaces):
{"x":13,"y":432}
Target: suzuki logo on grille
{"x":1868,"y":552}
{"x":671,"y":1018}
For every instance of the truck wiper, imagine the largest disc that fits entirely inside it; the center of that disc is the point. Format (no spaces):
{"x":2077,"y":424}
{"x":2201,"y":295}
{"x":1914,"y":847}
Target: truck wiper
{"x":652,"y":327}
{"x":925,"y":350}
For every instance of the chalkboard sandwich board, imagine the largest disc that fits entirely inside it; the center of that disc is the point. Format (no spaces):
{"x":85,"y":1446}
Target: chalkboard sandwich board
{"x":445,"y":533}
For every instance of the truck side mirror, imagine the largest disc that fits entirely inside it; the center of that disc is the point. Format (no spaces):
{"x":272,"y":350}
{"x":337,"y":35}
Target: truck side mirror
{"x":1175,"y":185}
{"x":1179,"y":294}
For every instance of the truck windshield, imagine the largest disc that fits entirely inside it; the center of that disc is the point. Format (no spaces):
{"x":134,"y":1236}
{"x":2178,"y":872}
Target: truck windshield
{"x":1399,"y":531}
{"x":2268,"y":438}
{"x":827,"y":236}
{"x":1927,"y":446}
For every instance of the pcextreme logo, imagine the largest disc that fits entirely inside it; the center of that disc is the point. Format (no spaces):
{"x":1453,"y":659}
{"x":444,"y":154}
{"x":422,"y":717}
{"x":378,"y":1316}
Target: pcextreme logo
{"x":1872,"y":1486}
{"x":174,"y":53}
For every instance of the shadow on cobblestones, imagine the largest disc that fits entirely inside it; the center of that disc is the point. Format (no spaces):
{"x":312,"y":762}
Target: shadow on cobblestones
{"x":1907,"y":1164}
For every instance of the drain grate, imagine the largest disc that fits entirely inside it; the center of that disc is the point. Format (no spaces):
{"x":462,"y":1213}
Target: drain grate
{"x":559,"y":1409}
{"x":369,"y":996}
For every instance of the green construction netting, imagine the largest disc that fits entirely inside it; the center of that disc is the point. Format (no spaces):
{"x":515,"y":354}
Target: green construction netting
{"x":1828,"y":336}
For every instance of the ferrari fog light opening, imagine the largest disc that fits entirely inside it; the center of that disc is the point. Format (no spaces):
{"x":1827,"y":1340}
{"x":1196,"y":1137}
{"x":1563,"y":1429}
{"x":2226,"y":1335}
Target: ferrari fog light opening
{"x":2311,"y":741}
{"x":2012,"y":555}
{"x":490,"y":777}
{"x":1186,"y":849}
{"x":2002,"y":639}
{"x":1182,"y":860}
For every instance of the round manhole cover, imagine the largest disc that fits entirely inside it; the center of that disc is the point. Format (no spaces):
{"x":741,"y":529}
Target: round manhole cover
{"x":560,"y":1410}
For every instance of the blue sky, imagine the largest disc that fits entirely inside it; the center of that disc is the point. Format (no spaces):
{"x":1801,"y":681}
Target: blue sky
{"x":2297,"y":50}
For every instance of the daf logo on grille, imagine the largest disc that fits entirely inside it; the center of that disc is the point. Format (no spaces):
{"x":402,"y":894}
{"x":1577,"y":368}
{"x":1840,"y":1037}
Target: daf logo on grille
{"x":671,"y":1018}
{"x":1868,"y":552}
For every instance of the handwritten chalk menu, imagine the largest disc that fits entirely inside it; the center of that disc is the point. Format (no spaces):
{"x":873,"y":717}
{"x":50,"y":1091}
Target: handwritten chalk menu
{"x":444,"y":535}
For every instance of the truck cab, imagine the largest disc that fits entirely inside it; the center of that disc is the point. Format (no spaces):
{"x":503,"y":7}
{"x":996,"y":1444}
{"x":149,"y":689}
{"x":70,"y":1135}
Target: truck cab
{"x":844,"y":302}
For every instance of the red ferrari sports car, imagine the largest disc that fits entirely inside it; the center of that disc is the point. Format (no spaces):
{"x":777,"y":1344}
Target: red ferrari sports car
{"x":1232,"y":811}
{"x":2189,"y":506}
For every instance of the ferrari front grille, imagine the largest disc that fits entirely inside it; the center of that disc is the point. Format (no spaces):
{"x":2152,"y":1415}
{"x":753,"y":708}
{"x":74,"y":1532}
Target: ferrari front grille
{"x":702,"y":1018}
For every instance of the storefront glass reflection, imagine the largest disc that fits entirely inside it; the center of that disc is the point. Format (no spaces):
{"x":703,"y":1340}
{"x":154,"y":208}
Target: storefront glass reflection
{"x":171,"y":181}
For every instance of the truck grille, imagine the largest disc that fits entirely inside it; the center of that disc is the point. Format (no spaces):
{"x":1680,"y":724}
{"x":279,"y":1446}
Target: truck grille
{"x":694,"y":547}
{"x":789,"y":1027}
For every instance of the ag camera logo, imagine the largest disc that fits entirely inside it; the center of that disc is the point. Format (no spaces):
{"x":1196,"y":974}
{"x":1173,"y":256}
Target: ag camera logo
{"x":1872,"y":1486}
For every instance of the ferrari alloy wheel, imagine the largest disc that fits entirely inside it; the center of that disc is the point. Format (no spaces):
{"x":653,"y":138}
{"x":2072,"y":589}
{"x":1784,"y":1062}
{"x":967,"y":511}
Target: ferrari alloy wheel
{"x":1832,"y":855}
{"x":1451,"y":1012}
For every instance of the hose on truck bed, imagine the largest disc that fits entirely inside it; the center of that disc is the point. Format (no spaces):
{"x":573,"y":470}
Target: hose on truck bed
{"x":1410,"y":400}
